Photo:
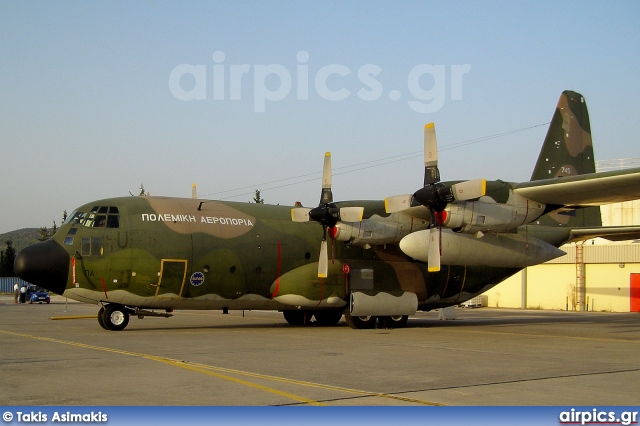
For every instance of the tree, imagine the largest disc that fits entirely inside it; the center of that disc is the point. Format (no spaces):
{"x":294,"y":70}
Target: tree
{"x":257,"y":198}
{"x":7,"y":258}
{"x":44,"y":234}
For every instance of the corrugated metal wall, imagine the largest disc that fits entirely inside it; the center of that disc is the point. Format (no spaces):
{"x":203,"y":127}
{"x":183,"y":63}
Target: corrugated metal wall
{"x":6,"y":284}
{"x":602,"y":253}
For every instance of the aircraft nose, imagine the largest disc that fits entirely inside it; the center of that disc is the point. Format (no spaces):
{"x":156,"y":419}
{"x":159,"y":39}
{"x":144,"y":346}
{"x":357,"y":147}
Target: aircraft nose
{"x":45,"y":264}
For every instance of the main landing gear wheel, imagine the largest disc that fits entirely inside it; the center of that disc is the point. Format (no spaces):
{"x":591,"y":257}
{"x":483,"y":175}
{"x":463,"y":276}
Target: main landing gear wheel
{"x":297,"y":317}
{"x":328,"y":317}
{"x":359,"y":323}
{"x":115,"y":317}
{"x":395,"y":322}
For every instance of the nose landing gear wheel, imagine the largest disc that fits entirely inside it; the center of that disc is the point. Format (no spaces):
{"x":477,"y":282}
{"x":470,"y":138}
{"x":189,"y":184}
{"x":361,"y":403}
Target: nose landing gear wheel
{"x":115,"y":317}
{"x":101,"y":318}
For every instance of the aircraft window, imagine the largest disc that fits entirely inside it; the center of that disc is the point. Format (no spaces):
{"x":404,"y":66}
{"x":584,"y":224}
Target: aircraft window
{"x":75,"y":217}
{"x":87,"y":220}
{"x":96,"y":246}
{"x":91,"y":247}
{"x":91,"y":220}
{"x":85,"y":248}
{"x":100,"y":221}
{"x":72,"y":231}
{"x":68,"y":240}
{"x":70,"y":217}
{"x":113,"y":221}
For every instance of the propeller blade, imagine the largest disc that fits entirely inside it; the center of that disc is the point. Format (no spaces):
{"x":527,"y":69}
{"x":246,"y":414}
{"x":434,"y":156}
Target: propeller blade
{"x":397,"y":203}
{"x":469,"y":189}
{"x":300,"y":214}
{"x":326,"y":196}
{"x":431,"y":172}
{"x":351,"y":214}
{"x":434,"y":250}
{"x":323,"y":261}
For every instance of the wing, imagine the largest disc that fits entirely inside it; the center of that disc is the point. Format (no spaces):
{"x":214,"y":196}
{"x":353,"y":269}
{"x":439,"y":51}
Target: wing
{"x":593,"y":189}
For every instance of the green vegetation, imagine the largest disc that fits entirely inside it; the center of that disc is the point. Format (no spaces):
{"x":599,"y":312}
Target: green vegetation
{"x":7,"y":257}
{"x":257,"y":199}
{"x":22,"y":238}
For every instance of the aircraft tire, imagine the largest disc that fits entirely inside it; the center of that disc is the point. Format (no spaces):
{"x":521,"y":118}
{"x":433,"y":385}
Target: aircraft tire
{"x":327,"y":318}
{"x":101,"y":318}
{"x":359,"y":323}
{"x":297,"y":317}
{"x":115,"y":317}
{"x":395,"y":322}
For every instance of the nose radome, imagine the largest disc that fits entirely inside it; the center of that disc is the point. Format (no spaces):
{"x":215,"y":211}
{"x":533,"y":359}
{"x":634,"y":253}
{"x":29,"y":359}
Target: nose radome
{"x":45,"y":264}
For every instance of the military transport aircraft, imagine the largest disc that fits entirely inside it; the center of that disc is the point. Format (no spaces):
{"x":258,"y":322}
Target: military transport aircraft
{"x":366,"y":260}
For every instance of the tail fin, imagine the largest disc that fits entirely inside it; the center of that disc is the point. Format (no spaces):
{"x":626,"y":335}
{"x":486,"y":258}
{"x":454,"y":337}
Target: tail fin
{"x":568,"y":151}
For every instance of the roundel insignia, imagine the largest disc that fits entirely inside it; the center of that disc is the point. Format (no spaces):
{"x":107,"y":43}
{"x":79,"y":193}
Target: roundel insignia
{"x":197,"y":278}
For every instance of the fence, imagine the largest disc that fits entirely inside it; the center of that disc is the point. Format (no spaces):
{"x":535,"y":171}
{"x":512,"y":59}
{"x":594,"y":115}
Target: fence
{"x":6,"y":284}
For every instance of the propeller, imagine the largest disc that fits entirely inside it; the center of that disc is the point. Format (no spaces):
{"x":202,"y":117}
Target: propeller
{"x":327,"y":214}
{"x":435,"y":195}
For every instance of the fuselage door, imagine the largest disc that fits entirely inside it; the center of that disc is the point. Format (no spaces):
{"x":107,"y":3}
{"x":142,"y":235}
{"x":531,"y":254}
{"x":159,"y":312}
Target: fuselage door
{"x":172,"y":276}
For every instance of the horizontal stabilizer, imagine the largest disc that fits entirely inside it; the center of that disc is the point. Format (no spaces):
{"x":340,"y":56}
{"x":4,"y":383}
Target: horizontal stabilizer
{"x":593,"y":189}
{"x":612,"y":233}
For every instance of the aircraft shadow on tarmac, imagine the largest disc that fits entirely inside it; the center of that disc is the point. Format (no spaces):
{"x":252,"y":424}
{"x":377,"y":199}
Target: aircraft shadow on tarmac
{"x":622,"y":321}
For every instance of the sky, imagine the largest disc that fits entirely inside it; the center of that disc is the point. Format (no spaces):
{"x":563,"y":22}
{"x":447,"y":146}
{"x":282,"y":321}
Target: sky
{"x":97,"y":98}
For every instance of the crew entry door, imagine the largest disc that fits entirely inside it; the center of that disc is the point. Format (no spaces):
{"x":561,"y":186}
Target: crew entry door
{"x":173,"y":273}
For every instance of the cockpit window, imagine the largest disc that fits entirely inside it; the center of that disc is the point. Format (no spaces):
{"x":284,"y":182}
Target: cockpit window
{"x":99,"y":217}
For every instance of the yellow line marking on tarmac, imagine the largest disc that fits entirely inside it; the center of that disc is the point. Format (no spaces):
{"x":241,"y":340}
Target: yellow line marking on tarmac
{"x":216,"y":372}
{"x":70,"y":317}
{"x":169,"y":361}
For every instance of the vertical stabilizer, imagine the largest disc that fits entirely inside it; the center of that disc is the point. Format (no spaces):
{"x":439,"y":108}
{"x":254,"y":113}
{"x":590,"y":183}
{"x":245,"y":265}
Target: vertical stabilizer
{"x":567,"y":148}
{"x":568,"y":151}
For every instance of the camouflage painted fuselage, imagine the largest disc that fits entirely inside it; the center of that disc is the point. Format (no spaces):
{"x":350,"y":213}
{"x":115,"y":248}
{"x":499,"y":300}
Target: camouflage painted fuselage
{"x":191,"y":254}
{"x":170,"y":253}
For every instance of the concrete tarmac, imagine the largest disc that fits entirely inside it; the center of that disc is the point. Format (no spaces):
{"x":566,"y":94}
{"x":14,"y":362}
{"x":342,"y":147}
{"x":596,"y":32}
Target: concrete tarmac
{"x":484,"y":357}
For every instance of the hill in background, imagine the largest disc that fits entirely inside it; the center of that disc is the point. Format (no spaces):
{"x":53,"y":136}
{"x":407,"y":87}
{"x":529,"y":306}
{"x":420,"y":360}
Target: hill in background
{"x":21,"y":238}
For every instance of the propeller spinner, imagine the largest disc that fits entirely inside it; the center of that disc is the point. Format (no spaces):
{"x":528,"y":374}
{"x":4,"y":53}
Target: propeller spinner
{"x":327,"y":214}
{"x":435,"y":195}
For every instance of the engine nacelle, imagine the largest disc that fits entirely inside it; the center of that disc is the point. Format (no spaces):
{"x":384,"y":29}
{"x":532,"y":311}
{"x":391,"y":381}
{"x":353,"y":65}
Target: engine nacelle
{"x":499,"y":250}
{"x":473,"y":216}
{"x":378,"y":230}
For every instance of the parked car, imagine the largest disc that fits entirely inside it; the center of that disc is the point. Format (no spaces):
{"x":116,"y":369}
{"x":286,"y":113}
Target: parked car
{"x":37,"y":294}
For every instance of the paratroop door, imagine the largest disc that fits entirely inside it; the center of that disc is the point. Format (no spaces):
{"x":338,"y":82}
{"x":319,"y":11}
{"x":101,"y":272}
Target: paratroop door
{"x":172,"y":275}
